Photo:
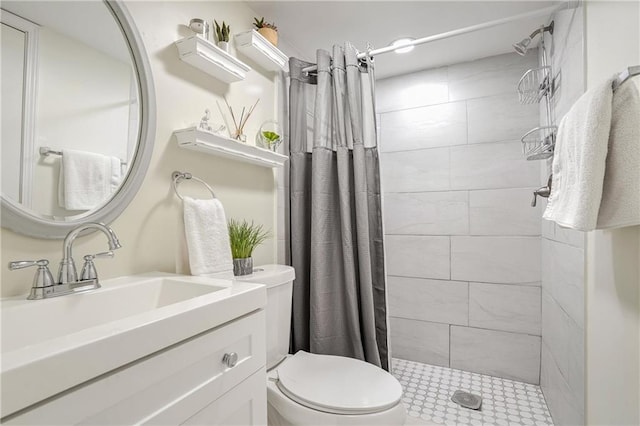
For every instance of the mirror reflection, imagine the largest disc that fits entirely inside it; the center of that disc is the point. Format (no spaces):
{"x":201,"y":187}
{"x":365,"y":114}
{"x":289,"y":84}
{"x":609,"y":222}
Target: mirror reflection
{"x":70,"y":108}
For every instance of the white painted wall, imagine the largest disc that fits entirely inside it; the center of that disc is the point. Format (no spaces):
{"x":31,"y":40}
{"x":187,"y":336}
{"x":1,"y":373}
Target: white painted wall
{"x":148,"y":228}
{"x":83,"y":104}
{"x":13,"y":48}
{"x":612,"y":38}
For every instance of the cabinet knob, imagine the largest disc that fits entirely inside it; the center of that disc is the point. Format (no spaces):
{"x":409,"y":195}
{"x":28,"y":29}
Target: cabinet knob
{"x":230,"y":359}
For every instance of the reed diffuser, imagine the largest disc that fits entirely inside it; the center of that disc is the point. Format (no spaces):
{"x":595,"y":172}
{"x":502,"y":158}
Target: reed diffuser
{"x":240,"y":122}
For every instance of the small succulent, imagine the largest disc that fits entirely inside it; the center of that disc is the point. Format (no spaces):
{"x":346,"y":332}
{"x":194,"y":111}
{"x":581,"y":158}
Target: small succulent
{"x":222,"y":31}
{"x":259,"y":23}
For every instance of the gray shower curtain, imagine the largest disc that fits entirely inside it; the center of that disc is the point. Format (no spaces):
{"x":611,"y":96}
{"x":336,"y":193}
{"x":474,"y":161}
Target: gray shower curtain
{"x":339,"y":301}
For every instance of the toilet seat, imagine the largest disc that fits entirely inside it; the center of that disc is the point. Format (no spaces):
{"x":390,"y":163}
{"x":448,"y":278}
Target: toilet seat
{"x":337,"y":385}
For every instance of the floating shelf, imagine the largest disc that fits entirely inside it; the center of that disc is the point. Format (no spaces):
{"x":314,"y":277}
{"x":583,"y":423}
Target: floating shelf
{"x":209,"y":58}
{"x":211,"y":143}
{"x":260,"y":50}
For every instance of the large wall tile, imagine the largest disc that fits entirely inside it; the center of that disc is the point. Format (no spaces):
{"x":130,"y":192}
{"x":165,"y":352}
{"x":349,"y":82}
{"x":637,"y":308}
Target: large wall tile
{"x":576,"y":367}
{"x":563,"y":274}
{"x":569,"y":236}
{"x":562,"y":376}
{"x":457,"y":191}
{"x":415,"y":171}
{"x":503,"y":212}
{"x":505,"y":307}
{"x":420,"y":341}
{"x":488,"y":76}
{"x":426,"y":213}
{"x":424,"y":127}
{"x":511,"y":355}
{"x":566,"y":407}
{"x":500,"y":118}
{"x":429,"y":300}
{"x":421,"y":88}
{"x":417,"y":256}
{"x":492,"y":165}
{"x":548,"y":228}
{"x":496,"y":259}
{"x":564,"y":339}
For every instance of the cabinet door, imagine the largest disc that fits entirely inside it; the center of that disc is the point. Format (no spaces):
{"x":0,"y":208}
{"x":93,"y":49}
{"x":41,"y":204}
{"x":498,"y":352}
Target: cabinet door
{"x":246,"y":404}
{"x":166,"y":387}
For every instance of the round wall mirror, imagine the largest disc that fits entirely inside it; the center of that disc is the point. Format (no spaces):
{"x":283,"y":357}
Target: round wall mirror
{"x":78,"y":114}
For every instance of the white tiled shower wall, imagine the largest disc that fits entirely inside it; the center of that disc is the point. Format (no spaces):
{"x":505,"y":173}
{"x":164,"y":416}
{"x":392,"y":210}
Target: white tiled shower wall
{"x":562,"y":376}
{"x":462,"y":242}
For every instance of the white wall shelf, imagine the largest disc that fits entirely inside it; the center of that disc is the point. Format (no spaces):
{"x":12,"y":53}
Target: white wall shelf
{"x":261,"y":51}
{"x":209,"y":58}
{"x":211,"y":143}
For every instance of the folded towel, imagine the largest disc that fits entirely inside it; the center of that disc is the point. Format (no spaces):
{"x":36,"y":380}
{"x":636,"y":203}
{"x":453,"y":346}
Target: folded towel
{"x":87,"y":179}
{"x":579,"y":160}
{"x":207,"y":236}
{"x":620,"y":205}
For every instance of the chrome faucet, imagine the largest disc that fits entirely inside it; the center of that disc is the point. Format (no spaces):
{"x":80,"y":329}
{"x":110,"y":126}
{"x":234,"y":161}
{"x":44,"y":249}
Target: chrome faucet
{"x":43,"y":284}
{"x":67,"y":271}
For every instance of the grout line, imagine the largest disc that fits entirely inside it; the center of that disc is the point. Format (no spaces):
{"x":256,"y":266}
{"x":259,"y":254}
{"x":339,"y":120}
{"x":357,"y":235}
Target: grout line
{"x":469,"y":145}
{"x":464,"y":235}
{"x":532,"y":284}
{"x":428,"y":191}
{"x":450,"y":325}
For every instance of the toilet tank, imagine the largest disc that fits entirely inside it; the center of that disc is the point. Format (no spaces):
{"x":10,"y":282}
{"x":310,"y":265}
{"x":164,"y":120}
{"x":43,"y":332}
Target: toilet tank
{"x":279,"y":282}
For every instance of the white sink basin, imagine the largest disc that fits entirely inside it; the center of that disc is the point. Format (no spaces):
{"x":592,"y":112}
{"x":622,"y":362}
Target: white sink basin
{"x":51,"y":345}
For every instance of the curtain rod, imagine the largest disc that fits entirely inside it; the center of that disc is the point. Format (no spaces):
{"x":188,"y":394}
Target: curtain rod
{"x":539,"y":12}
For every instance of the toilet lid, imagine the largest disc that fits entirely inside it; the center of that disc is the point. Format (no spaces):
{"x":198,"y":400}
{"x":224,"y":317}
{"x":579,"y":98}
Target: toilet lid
{"x":338,"y":385}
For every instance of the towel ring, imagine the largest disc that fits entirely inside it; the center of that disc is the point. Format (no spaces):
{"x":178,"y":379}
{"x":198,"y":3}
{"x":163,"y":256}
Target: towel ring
{"x":178,"y":177}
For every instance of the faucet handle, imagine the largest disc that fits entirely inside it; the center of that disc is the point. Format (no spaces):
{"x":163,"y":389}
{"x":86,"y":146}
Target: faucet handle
{"x":21,"y":264}
{"x":43,"y":280}
{"x":98,"y":255}
{"x":89,"y":271}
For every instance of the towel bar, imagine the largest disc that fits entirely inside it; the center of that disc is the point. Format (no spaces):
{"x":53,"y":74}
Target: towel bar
{"x":46,"y":151}
{"x":177,"y":177}
{"x":625,"y":75}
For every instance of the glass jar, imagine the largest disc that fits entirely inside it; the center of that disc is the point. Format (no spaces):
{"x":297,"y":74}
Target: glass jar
{"x":270,"y":135}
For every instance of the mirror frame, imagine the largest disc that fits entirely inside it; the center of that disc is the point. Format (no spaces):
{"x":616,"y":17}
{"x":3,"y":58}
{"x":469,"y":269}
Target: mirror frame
{"x":17,"y":219}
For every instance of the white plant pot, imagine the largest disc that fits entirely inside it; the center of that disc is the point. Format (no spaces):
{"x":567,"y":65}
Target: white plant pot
{"x":224,"y":45}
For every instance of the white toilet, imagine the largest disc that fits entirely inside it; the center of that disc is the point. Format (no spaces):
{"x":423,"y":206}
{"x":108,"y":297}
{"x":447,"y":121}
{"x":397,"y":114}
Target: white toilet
{"x":309,"y":389}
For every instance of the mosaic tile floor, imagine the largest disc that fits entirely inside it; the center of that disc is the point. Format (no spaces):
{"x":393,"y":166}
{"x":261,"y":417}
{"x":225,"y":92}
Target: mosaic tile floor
{"x":428,"y":390}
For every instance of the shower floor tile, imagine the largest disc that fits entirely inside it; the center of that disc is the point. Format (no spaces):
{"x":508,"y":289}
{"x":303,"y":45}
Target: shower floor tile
{"x":428,"y":389}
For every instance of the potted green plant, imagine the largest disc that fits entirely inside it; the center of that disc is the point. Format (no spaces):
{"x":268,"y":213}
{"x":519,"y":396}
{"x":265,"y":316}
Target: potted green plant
{"x":222,"y":34}
{"x":272,"y":139}
{"x":267,"y":30}
{"x":244,"y":237}
{"x":270,"y":135}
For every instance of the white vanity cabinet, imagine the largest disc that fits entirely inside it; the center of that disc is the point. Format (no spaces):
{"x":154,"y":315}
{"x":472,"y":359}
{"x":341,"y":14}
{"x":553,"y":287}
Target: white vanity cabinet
{"x":186,"y":383}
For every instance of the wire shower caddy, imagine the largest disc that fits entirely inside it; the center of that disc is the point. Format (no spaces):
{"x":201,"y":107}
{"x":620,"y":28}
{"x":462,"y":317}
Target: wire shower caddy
{"x":535,"y":85}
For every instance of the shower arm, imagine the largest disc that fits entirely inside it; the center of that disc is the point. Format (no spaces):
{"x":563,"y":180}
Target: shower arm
{"x":543,"y":29}
{"x":535,"y":13}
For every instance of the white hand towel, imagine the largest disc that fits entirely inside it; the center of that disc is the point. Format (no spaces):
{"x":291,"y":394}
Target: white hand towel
{"x":207,"y":236}
{"x":579,"y":161}
{"x":620,"y":205}
{"x":87,"y":179}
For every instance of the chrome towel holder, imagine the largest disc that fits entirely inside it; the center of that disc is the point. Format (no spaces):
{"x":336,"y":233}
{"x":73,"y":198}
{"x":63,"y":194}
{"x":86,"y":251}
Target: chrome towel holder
{"x":177,"y":177}
{"x":46,"y":151}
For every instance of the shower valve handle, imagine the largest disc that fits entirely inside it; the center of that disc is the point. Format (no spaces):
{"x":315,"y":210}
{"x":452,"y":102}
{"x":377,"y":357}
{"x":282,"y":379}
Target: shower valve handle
{"x":543,"y":191}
